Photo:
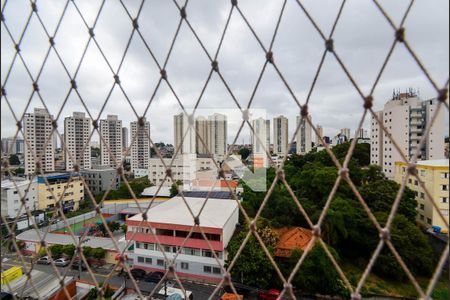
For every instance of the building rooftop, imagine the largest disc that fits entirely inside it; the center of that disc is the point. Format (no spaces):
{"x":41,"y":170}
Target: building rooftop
{"x":213,"y":195}
{"x":46,"y":285}
{"x":66,"y":239}
{"x":292,"y":238}
{"x":434,"y":163}
{"x":151,"y":191}
{"x":8,"y":184}
{"x":174,"y":211}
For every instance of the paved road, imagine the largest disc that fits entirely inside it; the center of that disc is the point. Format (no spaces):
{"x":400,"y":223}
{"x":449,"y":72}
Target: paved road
{"x":199,"y":290}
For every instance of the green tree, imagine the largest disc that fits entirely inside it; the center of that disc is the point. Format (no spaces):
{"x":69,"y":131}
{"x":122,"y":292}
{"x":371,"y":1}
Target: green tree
{"x":244,"y":153}
{"x":380,"y":196}
{"x":113,"y":226}
{"x":174,"y":189}
{"x":68,"y":249}
{"x":317,"y":273}
{"x":14,"y":160}
{"x":252,"y":266}
{"x":412,"y":245}
{"x":124,"y":228}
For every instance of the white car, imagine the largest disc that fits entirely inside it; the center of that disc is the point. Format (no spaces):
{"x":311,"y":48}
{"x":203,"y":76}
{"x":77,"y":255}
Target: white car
{"x":45,"y":260}
{"x":62,"y":262}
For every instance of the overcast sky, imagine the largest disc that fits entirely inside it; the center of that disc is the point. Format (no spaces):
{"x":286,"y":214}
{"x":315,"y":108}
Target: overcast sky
{"x":362,"y":40}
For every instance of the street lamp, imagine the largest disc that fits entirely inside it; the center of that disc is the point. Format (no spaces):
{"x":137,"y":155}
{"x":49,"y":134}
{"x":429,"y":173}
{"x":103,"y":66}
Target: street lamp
{"x":79,"y":255}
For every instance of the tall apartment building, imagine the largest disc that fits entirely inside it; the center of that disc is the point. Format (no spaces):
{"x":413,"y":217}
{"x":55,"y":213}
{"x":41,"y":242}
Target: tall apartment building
{"x":361,"y":133}
{"x":125,"y":141}
{"x":140,"y":148}
{"x":202,"y":126}
{"x":38,"y":131}
{"x":182,"y":129}
{"x":16,"y":146}
{"x":434,"y":174}
{"x":304,"y":136}
{"x":406,"y":118}
{"x":77,"y":130}
{"x":218,"y":134}
{"x":261,"y":142}
{"x":320,"y":132}
{"x":111,"y":144}
{"x":280,"y":135}
{"x":346,"y":132}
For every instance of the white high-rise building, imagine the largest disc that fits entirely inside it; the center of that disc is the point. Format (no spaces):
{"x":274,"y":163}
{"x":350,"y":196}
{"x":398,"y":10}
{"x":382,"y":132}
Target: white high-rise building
{"x":304,"y":136}
{"x":77,"y":130}
{"x":111,"y":144}
{"x":140,"y":147}
{"x":280,"y":135}
{"x":346,"y":132}
{"x":182,"y":129}
{"x":125,"y":141}
{"x":218,"y":134}
{"x":406,"y":118}
{"x":320,"y":131}
{"x":202,"y":126}
{"x":38,"y":131}
{"x":261,"y":142}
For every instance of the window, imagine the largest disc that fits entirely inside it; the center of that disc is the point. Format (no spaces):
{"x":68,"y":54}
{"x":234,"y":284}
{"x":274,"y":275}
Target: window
{"x":207,"y":253}
{"x":207,"y":269}
{"x":422,"y":207}
{"x":444,"y":212}
{"x":422,"y":195}
{"x":444,"y":175}
{"x":429,"y":221}
{"x":217,"y":270}
{"x":140,"y":259}
{"x":410,"y":180}
{"x":148,"y":260}
{"x":422,"y":217}
{"x":416,"y":182}
{"x":184,"y":266}
{"x":444,"y":187}
{"x":160,"y":262}
{"x":444,"y":200}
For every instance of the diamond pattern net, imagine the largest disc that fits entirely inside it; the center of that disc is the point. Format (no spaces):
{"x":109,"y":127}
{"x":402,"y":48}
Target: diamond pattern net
{"x":399,"y":39}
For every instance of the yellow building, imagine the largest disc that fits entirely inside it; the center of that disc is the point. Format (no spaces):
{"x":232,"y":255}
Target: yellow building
{"x":57,"y":182}
{"x":434,"y":173}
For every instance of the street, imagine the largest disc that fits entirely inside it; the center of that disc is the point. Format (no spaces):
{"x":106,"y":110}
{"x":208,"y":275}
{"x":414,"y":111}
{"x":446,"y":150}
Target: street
{"x":200,"y":291}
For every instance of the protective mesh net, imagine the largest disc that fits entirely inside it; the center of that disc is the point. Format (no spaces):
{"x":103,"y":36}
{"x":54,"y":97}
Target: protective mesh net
{"x":87,"y":19}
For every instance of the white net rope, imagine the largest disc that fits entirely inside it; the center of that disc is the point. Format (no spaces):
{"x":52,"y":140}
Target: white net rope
{"x":399,"y":39}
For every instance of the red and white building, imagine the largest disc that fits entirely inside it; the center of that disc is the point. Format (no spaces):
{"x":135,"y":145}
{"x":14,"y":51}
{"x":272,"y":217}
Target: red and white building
{"x":171,"y":223}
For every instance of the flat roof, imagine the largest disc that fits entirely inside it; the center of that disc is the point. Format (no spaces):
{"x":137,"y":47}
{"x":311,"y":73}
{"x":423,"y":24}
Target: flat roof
{"x":215,"y":214}
{"x":46,"y":284}
{"x":434,"y":163}
{"x":66,"y":239}
{"x":7,"y":183}
{"x":151,"y":191}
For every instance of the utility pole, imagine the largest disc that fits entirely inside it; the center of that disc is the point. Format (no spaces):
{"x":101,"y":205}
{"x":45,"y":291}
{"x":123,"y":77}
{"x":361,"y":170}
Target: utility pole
{"x":79,"y":256}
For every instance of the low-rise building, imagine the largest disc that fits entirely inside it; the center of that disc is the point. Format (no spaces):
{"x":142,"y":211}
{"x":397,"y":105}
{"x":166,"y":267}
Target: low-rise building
{"x":171,"y":222}
{"x":434,"y":173}
{"x":65,"y":187}
{"x":12,"y":191}
{"x":101,"y":179}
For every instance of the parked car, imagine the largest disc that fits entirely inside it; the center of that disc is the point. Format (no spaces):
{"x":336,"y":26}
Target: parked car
{"x":62,"y":262}
{"x":44,"y":260}
{"x":271,"y":294}
{"x":154,"y":277}
{"x":137,"y":273}
{"x":76,"y":265}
